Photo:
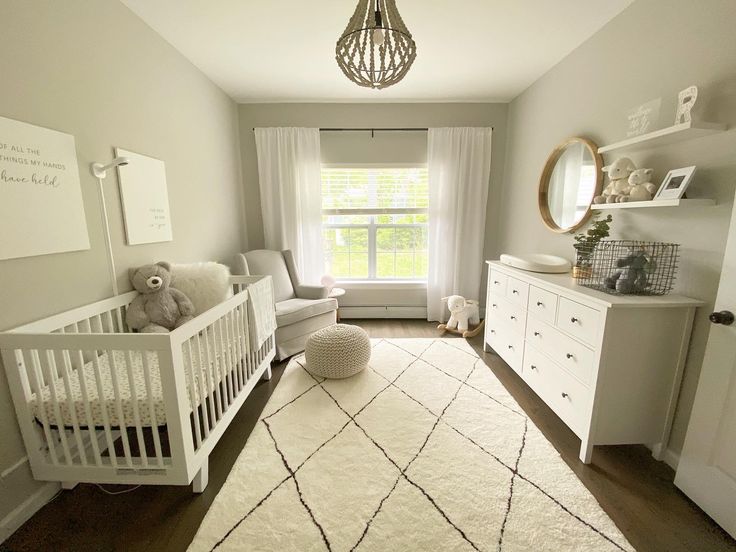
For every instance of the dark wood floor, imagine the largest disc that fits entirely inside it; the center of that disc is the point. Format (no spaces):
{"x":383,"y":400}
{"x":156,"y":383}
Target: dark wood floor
{"x":635,"y":490}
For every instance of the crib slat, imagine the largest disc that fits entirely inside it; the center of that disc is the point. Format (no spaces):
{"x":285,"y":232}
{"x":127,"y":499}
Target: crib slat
{"x":119,"y":318}
{"x":136,"y":412}
{"x":87,"y":407}
{"x":103,"y":408}
{"x":46,"y":369}
{"x":189,"y":370}
{"x":119,"y":406}
{"x":152,"y":409}
{"x":251,"y":352}
{"x":240,"y":351}
{"x":36,"y":382}
{"x":201,"y":382}
{"x":210,"y":387}
{"x":65,"y":375}
{"x":224,"y":349}
{"x":232,"y":352}
{"x":211,"y":363}
{"x":221,"y":370}
{"x":233,"y":348}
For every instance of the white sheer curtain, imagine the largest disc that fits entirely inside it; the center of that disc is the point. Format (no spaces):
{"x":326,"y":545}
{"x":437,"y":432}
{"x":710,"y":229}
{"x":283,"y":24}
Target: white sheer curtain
{"x":290,"y":183}
{"x":459,"y":161}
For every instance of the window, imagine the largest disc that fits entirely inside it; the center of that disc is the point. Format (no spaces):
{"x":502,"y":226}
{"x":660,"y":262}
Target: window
{"x":374,"y":222}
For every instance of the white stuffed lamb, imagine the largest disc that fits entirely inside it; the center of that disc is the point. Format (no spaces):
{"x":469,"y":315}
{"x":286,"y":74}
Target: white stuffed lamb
{"x":462,"y":312}
{"x":641,"y":187}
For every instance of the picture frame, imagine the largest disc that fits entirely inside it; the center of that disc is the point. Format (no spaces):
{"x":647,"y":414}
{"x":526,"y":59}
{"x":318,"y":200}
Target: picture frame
{"x":675,"y":183}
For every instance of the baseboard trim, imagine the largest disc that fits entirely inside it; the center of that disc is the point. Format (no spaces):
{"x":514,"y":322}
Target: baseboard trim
{"x":383,"y":312}
{"x":671,"y":458}
{"x":10,"y":523}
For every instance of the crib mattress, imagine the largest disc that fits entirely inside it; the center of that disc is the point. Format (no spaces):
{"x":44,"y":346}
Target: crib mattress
{"x":150,"y":411}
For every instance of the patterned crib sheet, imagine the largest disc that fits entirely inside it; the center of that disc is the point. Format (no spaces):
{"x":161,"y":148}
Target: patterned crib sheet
{"x":151,"y":410}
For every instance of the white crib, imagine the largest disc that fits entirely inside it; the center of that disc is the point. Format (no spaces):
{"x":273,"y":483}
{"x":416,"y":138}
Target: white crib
{"x":98,"y":404}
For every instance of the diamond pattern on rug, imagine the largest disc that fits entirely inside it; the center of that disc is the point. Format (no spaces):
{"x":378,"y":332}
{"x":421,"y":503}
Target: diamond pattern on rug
{"x":424,"y":450}
{"x":398,"y":424}
{"x":355,"y":392}
{"x":389,"y":360}
{"x":294,"y":381}
{"x":302,"y":426}
{"x":449,"y":359}
{"x":269,"y":530}
{"x":488,"y":423}
{"x":429,"y":386}
{"x":344,"y":483}
{"x":471,"y":490}
{"x":409,"y":521}
{"x":546,"y":533}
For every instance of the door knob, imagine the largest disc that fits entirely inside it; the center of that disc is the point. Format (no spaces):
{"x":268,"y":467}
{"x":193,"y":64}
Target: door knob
{"x":724,"y":317}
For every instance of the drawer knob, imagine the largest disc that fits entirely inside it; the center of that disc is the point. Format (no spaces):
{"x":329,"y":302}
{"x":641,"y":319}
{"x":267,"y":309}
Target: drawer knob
{"x":515,"y":291}
{"x":513,"y":318}
{"x":496,"y":282}
{"x":493,"y":331}
{"x":536,"y":334}
{"x":511,"y":347}
{"x":574,"y":320}
{"x":533,"y":367}
{"x":569,"y":355}
{"x":495,"y":306}
{"x":565,"y":395}
{"x":540,"y":304}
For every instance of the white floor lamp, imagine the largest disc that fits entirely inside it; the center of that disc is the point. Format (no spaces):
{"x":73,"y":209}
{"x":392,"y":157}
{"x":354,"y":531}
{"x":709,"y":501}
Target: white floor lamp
{"x":100,"y":171}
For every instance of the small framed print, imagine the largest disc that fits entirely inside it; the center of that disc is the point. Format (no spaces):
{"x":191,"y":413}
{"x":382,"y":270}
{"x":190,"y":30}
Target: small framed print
{"x":675,"y":183}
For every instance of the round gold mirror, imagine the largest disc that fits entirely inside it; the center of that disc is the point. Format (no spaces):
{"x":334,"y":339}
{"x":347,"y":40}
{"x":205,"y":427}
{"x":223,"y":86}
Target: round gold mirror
{"x":570,"y":180}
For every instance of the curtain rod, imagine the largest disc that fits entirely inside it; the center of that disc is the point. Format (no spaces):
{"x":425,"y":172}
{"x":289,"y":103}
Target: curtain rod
{"x":372,"y":130}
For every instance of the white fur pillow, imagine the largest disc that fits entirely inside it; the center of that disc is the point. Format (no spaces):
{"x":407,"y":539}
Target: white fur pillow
{"x":206,"y":284}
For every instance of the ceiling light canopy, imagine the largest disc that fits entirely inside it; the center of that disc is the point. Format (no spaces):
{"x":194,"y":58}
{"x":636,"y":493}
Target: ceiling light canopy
{"x":376,"y":50}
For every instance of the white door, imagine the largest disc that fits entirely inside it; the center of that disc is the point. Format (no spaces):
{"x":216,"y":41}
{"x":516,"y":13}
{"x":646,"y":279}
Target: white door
{"x":707,"y":468}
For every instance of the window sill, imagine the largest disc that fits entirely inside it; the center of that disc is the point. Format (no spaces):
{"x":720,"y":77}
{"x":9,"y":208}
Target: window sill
{"x":382,"y":284}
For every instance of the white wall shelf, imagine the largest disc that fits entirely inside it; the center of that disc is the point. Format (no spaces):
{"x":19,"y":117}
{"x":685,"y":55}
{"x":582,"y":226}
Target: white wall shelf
{"x":665,"y":136}
{"x":656,"y":203}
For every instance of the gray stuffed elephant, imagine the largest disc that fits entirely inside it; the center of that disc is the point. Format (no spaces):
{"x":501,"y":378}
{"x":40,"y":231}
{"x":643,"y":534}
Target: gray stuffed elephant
{"x":159,"y":308}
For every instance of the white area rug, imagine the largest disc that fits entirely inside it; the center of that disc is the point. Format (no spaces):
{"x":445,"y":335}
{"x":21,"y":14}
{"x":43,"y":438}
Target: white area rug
{"x":425,"y":450}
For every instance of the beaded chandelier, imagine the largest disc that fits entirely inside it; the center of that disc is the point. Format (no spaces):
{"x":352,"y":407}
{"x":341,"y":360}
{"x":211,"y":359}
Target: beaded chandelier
{"x":376,"y":49}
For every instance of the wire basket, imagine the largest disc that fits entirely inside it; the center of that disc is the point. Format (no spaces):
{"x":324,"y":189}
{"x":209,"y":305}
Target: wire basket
{"x":628,"y":267}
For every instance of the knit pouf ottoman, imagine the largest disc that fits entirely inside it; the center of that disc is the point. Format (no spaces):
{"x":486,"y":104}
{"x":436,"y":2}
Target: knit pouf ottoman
{"x":338,"y":351}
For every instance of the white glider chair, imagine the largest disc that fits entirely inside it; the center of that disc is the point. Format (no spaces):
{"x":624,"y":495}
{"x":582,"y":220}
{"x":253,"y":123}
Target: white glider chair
{"x":301,"y":310}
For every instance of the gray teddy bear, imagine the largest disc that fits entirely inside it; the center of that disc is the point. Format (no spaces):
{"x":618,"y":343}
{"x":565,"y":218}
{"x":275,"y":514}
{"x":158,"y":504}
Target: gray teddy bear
{"x":631,"y":276}
{"x":159,"y":308}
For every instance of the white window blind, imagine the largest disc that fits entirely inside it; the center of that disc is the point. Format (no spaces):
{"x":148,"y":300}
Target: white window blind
{"x":375,"y":222}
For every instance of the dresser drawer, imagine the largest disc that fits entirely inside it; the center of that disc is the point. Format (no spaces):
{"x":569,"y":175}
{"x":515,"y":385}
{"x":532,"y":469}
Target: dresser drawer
{"x":572,"y":355}
{"x":509,"y":346}
{"x":579,"y":321}
{"x":517,"y":291}
{"x":510,"y":316}
{"x":564,"y":394}
{"x":542,"y":304}
{"x":497,"y":283}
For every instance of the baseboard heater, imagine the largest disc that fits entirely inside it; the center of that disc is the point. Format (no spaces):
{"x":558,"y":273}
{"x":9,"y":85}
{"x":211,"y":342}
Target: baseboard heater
{"x":383,"y":311}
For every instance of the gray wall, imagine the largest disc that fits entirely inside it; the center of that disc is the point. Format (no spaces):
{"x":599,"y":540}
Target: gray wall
{"x":360,"y":147}
{"x":96,"y":71}
{"x":655,"y":48}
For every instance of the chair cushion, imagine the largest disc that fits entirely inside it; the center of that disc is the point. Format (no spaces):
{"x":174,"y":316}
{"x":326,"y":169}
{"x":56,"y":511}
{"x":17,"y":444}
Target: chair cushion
{"x":295,"y":310}
{"x":264,"y":261}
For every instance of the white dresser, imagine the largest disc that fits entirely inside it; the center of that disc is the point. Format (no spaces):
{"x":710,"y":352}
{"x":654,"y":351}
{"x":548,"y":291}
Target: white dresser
{"x":609,"y":366}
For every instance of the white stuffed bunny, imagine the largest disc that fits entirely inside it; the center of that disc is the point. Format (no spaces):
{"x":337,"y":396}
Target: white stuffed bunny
{"x":462,"y":312}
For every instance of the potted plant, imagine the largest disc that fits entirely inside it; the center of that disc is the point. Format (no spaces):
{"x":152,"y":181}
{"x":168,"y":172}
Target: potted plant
{"x":585,"y":244}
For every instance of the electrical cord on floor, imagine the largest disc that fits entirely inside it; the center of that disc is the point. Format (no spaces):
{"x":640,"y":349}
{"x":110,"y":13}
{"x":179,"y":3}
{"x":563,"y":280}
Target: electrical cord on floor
{"x":113,"y":493}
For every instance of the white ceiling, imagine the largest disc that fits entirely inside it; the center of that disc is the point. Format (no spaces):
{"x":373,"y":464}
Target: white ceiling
{"x":467,"y":50}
